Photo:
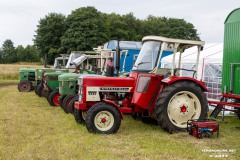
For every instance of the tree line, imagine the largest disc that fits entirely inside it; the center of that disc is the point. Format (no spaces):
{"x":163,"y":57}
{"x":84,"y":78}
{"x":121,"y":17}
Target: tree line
{"x":87,"y":27}
{"x":11,"y":54}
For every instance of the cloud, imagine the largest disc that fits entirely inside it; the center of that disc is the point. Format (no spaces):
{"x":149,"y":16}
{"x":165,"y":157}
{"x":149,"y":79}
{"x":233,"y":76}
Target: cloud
{"x":20,"y":18}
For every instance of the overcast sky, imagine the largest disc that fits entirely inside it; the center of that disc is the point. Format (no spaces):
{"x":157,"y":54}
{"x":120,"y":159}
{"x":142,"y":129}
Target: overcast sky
{"x":19,"y":18}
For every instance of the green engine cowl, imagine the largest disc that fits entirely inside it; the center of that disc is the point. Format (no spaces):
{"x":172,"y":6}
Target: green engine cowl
{"x":67,"y":83}
{"x":52,"y":80}
{"x":27,"y":74}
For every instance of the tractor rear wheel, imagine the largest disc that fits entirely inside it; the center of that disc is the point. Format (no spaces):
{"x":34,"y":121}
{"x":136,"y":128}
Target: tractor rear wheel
{"x":79,"y":116}
{"x":179,"y":102}
{"x":53,"y":98}
{"x":66,"y":103}
{"x":39,"y":90}
{"x":24,"y":86}
{"x":76,"y":97}
{"x":103,"y":118}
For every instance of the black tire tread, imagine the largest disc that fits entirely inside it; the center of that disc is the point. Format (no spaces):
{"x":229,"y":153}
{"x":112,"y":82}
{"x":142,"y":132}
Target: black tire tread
{"x":39,"y":90}
{"x":78,"y":116}
{"x":65,"y":102}
{"x":76,"y":97}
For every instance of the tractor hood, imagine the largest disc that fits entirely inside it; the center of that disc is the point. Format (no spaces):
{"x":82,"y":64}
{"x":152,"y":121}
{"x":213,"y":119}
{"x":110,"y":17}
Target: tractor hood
{"x":57,"y":73}
{"x":118,"y":84}
{"x":27,"y":70}
{"x":68,"y":77}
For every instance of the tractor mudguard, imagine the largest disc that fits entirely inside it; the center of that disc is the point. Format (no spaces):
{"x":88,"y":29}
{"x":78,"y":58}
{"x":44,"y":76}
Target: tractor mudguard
{"x":115,"y":105}
{"x":173,"y":79}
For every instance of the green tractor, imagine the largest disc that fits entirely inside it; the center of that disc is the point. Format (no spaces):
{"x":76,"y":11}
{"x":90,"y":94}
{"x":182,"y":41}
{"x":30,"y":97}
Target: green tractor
{"x":60,"y":65}
{"x":51,"y":83}
{"x":68,"y":87}
{"x":28,"y":76}
{"x":27,"y":79}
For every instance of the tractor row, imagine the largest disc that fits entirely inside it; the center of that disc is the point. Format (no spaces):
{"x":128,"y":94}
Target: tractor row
{"x":148,"y":92}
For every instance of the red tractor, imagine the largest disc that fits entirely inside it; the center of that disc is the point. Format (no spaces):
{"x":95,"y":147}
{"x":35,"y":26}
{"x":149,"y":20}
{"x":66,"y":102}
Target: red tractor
{"x":150,"y":91}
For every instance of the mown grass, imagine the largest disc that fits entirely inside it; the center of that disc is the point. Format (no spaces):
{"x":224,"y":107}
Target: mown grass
{"x":11,"y":71}
{"x":31,"y":129}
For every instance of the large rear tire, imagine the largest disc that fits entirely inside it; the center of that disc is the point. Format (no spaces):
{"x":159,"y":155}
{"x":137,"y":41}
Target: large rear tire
{"x":53,"y":98}
{"x":66,"y":103}
{"x":24,"y":86}
{"x":179,"y":102}
{"x":103,"y":118}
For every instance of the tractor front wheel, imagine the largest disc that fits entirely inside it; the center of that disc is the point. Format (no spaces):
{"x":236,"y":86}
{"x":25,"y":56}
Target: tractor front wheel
{"x":66,"y":103}
{"x":53,"y":98}
{"x":24,"y":86}
{"x":39,"y":90}
{"x":103,"y":118}
{"x":76,"y":97}
{"x":79,"y":116}
{"x":179,"y":102}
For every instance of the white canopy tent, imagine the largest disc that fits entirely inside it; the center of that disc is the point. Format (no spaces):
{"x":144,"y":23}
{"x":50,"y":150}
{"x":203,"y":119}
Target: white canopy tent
{"x":209,"y":66}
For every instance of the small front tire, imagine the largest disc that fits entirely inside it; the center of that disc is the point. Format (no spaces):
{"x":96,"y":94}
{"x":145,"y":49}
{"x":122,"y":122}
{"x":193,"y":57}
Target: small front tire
{"x":24,"y":86}
{"x":66,"y":103}
{"x":53,"y":98}
{"x":79,"y":116}
{"x":103,"y":118}
{"x":76,"y":97}
{"x":39,"y":90}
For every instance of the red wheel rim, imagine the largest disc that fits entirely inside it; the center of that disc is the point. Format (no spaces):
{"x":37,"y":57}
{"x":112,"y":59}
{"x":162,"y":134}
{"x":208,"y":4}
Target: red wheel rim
{"x":56,"y":99}
{"x":24,"y":87}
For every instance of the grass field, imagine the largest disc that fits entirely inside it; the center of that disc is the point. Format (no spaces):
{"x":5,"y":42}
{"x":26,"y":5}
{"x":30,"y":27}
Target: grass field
{"x":31,"y":129}
{"x":10,"y":71}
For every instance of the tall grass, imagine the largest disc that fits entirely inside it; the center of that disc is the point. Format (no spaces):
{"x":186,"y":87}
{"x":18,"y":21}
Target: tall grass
{"x":31,"y":129}
{"x":11,"y":71}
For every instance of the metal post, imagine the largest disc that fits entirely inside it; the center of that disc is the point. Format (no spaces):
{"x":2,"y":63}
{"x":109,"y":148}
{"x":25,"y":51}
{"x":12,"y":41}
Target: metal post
{"x":173,"y":60}
{"x":198,"y":55}
{"x":180,"y":58}
{"x":117,"y":58}
{"x":45,"y":60}
{"x":223,"y":111}
{"x":231,"y":78}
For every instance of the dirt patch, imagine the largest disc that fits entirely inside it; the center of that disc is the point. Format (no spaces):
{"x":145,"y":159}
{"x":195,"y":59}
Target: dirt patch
{"x":5,"y":84}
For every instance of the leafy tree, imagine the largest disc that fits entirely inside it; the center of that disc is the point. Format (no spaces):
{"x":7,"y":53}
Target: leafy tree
{"x":27,"y":54}
{"x":8,"y":52}
{"x":169,"y":27}
{"x":125,"y":27}
{"x":179,"y":28}
{"x":48,"y":35}
{"x":1,"y":55}
{"x":85,"y":30}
